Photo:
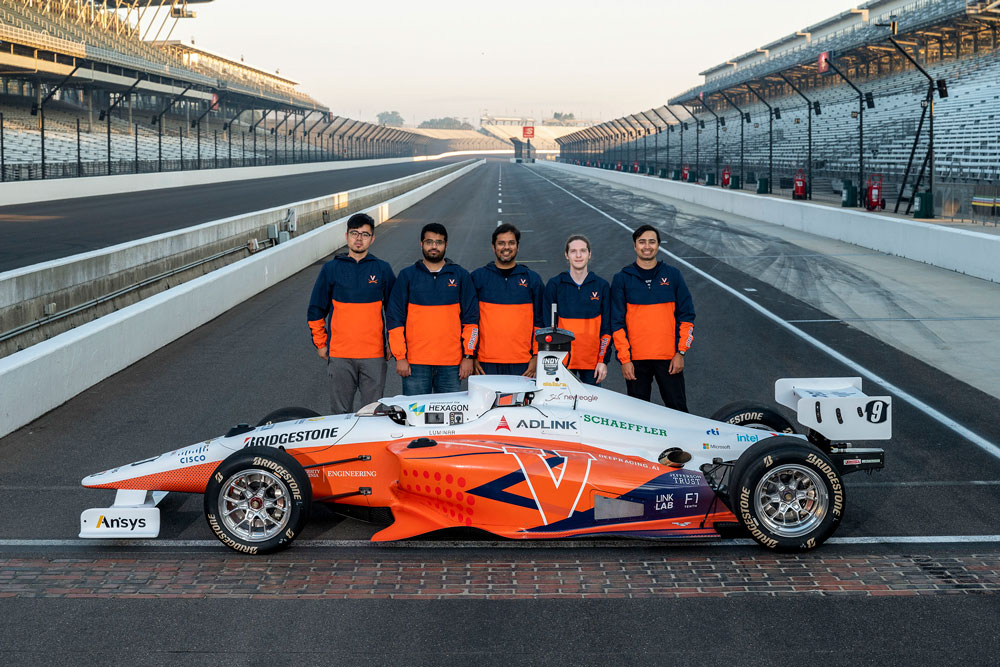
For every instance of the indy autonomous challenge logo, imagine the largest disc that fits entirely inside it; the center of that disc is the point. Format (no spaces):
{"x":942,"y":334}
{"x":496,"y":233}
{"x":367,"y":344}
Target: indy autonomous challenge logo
{"x":288,"y":438}
{"x":550,"y":364}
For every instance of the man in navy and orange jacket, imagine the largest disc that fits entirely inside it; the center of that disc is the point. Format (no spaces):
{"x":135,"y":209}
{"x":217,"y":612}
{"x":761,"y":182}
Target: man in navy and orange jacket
{"x":433,"y":319}
{"x":351,"y":290}
{"x":510,"y":309}
{"x":652,"y":322}
{"x":583,"y":305}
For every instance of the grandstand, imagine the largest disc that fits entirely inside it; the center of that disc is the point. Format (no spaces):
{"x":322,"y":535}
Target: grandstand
{"x":89,"y":88}
{"x":954,"y":41}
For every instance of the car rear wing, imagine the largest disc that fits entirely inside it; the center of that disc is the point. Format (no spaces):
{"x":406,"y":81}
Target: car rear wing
{"x":836,"y":407}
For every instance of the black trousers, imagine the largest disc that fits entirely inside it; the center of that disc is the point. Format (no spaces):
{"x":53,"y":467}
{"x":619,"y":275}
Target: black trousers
{"x":671,"y":386}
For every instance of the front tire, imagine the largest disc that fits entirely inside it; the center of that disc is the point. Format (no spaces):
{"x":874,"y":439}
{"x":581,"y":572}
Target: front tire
{"x":788,"y":494}
{"x":257,"y":501}
{"x":753,"y":415}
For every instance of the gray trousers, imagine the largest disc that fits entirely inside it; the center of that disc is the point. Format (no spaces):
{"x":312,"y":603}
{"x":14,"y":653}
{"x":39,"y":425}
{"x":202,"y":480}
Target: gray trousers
{"x":348,"y":376}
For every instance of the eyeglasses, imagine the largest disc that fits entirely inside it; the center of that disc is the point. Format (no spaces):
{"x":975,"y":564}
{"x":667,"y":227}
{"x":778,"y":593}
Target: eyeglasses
{"x":355,"y":234}
{"x":440,"y":242}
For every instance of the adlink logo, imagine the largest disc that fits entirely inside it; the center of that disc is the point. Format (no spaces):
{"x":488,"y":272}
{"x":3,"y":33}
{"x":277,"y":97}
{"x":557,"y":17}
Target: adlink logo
{"x":120,"y":522}
{"x":547,"y":423}
{"x":502,"y":426}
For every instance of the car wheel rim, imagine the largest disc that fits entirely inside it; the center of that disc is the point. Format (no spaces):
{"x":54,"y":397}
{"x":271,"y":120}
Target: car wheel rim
{"x":254,"y":505}
{"x":791,"y":500}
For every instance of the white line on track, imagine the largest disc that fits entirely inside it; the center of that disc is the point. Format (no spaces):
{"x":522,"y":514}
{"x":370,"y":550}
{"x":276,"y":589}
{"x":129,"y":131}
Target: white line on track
{"x":503,"y":544}
{"x":931,"y":412}
{"x":499,"y":210}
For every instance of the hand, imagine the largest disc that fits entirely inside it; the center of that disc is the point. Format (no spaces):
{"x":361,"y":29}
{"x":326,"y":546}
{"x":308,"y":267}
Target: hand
{"x":676,"y":364}
{"x":322,"y":352}
{"x":530,"y":371}
{"x":477,"y":369}
{"x":403,"y":368}
{"x":600,"y":372}
{"x":466,"y":368}
{"x":388,"y":353}
{"x":628,"y":371}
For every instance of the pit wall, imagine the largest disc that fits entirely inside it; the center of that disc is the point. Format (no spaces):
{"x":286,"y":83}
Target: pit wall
{"x":29,"y":192}
{"x":43,"y":376}
{"x":969,"y":252}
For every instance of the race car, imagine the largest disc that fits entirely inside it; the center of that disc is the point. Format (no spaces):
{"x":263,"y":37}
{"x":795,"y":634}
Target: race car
{"x":542,"y":458}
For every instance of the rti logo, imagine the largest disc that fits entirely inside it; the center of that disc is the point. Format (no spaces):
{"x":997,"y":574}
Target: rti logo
{"x":712,"y":431}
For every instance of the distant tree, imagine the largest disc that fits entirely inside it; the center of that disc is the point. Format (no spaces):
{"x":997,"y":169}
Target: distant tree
{"x":563,"y":117}
{"x":446,"y":123}
{"x":390,"y":118}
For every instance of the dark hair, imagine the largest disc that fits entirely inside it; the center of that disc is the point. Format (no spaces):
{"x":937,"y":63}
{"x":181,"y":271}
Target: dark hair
{"x":434,"y":228}
{"x":360,"y":220}
{"x":642,"y":230}
{"x":577,"y":237}
{"x":505,"y":228}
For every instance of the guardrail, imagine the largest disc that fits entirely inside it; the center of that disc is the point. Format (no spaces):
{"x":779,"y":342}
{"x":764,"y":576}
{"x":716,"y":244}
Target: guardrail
{"x":968,"y":252}
{"x":40,"y":378}
{"x":39,"y":301}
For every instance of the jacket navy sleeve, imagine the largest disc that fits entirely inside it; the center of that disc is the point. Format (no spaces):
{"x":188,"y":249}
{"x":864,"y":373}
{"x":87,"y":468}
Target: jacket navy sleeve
{"x":548,"y":298}
{"x":536,"y":298}
{"x":469,"y":315}
{"x":395,"y":315}
{"x":320,"y":305}
{"x":618,"y":306}
{"x":683,"y":313}
{"x":606,"y":318}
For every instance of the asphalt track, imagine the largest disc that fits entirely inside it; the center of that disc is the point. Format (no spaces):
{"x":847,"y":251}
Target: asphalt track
{"x":43,"y":231}
{"x":257,"y":357}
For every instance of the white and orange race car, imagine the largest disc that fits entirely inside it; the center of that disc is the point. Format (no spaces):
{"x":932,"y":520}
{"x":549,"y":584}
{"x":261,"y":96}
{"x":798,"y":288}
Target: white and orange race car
{"x":522,"y":458}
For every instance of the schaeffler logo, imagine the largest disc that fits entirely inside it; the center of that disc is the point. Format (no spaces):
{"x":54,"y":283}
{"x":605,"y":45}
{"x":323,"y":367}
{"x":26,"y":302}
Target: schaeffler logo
{"x":550,"y":364}
{"x":502,"y":426}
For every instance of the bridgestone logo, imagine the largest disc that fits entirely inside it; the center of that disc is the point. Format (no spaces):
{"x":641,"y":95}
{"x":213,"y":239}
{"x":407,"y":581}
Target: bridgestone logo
{"x":228,"y":541}
{"x":831,"y":474}
{"x":751,"y":523}
{"x":288,"y":438}
{"x":281,"y":472}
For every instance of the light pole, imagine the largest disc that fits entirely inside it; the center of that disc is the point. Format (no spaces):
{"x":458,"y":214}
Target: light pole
{"x":697,"y":143}
{"x":718,"y":120}
{"x":811,"y":107}
{"x":862,"y":98}
{"x":683,"y":126}
{"x":772,"y":113}
{"x":744,"y":119}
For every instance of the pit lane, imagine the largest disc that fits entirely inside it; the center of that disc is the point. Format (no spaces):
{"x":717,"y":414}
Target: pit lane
{"x":258,"y":357}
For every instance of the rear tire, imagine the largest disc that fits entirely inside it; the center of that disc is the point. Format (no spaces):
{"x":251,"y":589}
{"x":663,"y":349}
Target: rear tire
{"x":753,"y":415}
{"x":257,"y":501}
{"x":787,"y":494}
{"x":286,"y":415}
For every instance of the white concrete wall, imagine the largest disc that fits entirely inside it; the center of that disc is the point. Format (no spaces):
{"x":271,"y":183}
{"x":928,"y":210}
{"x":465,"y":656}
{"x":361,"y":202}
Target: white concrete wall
{"x":44,"y":376}
{"x":972,"y":253}
{"x":27,"y":192}
{"x":30,"y":282}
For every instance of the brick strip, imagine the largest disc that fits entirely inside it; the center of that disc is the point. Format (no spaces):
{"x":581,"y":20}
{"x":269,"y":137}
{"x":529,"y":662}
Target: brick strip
{"x":533,"y":577}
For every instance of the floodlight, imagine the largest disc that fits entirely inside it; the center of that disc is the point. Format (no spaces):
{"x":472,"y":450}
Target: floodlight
{"x":816,"y":108}
{"x":34,"y":108}
{"x":942,"y":88}
{"x":746,"y":117}
{"x":722,"y":121}
{"x":869,"y":101}
{"x":101,"y":116}
{"x":777,"y":113}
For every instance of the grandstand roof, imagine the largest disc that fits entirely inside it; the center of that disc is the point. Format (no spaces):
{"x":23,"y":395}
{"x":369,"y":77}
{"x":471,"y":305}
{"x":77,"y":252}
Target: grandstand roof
{"x":851,"y":29}
{"x":196,"y":50}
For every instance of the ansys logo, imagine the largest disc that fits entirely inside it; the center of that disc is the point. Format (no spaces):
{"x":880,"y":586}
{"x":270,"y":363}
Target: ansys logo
{"x":417,"y":409}
{"x":502,"y":426}
{"x":120,"y":522}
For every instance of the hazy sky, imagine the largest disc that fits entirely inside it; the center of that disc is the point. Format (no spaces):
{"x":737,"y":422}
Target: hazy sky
{"x":448,"y":58}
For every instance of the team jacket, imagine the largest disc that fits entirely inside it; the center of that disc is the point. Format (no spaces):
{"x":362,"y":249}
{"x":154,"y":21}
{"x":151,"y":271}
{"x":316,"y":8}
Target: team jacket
{"x":510,"y":310}
{"x":433,"y":317}
{"x":355,"y":292}
{"x":651,"y":321}
{"x":586,"y":311}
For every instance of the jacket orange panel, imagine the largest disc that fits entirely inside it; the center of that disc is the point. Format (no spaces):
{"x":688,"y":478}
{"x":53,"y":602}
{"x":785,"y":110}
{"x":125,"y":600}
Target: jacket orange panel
{"x":356,"y":330}
{"x":585,"y":351}
{"x":506,"y":332}
{"x":433,"y":334}
{"x":651,"y":330}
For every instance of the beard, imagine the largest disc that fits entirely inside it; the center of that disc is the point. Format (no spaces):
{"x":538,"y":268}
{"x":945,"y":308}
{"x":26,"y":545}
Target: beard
{"x":433,"y":255}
